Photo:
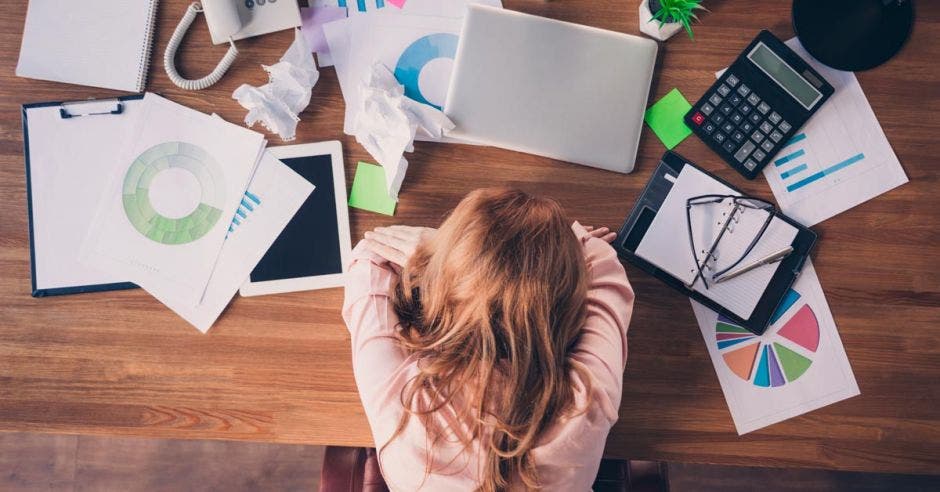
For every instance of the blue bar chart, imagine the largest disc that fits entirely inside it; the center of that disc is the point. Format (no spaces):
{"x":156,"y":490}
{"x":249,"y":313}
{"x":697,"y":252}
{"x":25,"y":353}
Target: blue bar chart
{"x":248,"y":204}
{"x":792,"y":164}
{"x":825,"y":172}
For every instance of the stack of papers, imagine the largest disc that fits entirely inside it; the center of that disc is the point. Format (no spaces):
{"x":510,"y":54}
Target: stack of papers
{"x":416,"y":42}
{"x":167,"y":220}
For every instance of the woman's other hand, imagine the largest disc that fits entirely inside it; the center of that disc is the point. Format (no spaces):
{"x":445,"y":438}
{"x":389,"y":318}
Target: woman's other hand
{"x":601,"y":233}
{"x":397,"y":243}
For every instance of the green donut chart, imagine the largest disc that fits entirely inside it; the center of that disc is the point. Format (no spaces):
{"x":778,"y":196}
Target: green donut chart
{"x":136,"y":193}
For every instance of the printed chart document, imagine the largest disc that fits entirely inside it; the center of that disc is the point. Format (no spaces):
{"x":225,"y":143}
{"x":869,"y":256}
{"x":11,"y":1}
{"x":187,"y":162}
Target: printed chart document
{"x":174,"y":190}
{"x":796,"y":366}
{"x":275,"y":194}
{"x":839,"y":159}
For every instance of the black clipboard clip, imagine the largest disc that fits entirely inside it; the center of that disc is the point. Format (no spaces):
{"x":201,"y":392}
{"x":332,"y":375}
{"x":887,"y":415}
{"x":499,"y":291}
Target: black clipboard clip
{"x":66,"y":112}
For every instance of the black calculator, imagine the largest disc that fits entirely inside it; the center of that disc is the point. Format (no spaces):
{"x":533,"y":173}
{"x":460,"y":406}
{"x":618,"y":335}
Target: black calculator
{"x":758,"y":104}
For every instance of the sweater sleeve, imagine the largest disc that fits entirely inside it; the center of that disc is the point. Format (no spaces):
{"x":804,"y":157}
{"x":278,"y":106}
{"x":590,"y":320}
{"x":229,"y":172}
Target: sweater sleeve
{"x":602,"y":346}
{"x":371,"y":321}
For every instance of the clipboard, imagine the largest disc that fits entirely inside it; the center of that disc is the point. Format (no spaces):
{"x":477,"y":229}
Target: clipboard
{"x":68,"y":147}
{"x":644,"y":211}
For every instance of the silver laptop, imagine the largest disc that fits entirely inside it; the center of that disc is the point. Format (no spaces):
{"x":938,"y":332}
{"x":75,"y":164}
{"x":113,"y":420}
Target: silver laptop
{"x":551,"y":88}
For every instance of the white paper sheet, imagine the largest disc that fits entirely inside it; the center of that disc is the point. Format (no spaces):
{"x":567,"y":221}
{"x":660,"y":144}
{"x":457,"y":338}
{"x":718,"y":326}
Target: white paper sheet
{"x":796,"y":366}
{"x":184,"y":165}
{"x":418,"y":48}
{"x":839,"y":159}
{"x":275,"y":194}
{"x":70,"y":161}
{"x":385,"y":39}
{"x":666,"y":243}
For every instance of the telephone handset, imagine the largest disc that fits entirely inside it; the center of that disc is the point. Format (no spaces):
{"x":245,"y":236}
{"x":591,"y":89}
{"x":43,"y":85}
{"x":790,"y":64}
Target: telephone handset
{"x":229,"y":21}
{"x":224,"y":21}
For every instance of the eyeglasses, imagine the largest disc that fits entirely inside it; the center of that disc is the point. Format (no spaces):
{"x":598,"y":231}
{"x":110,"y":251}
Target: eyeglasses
{"x":739,"y":204}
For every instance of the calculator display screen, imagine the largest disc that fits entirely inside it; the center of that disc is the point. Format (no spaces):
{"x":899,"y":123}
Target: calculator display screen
{"x":784,"y":75}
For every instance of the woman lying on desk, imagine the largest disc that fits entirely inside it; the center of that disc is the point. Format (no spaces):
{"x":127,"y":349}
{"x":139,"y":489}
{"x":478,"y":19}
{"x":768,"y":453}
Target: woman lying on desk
{"x":489,"y":354}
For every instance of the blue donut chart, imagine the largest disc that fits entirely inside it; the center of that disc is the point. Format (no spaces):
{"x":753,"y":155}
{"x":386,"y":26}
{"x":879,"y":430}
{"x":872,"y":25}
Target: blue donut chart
{"x":417,"y":55}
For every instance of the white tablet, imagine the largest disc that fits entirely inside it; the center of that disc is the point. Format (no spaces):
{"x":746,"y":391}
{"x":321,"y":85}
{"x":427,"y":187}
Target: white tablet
{"x":314,"y":248}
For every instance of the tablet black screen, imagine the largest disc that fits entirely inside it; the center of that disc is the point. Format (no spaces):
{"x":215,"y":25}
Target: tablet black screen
{"x":309,"y":245}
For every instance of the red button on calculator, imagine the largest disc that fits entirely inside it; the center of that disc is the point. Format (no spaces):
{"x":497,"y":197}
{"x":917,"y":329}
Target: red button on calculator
{"x":698,"y":118}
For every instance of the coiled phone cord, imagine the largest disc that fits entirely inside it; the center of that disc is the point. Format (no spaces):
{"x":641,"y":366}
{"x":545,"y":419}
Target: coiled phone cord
{"x":170,"y":54}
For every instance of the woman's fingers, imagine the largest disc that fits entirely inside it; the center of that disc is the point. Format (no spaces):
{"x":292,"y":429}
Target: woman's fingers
{"x":385,"y":251}
{"x":602,"y":233}
{"x":399,"y":243}
{"x":400,"y":232}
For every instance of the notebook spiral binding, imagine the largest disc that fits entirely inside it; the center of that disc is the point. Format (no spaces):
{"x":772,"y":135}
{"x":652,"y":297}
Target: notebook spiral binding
{"x":144,"y":65}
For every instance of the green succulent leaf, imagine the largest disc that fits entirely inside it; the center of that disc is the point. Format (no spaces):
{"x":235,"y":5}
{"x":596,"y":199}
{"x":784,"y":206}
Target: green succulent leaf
{"x":681,"y":11}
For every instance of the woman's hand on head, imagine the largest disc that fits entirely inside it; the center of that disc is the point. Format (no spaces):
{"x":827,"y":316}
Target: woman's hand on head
{"x":601,"y":233}
{"x":397,"y":243}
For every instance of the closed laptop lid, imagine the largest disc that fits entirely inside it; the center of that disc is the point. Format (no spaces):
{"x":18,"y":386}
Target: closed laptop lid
{"x":551,"y":88}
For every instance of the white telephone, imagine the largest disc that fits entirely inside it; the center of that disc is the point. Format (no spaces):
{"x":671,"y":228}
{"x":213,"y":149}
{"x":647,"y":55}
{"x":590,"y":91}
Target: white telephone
{"x":229,"y":20}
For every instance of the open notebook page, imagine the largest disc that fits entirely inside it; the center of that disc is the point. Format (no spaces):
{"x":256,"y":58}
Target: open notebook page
{"x":666,"y":243}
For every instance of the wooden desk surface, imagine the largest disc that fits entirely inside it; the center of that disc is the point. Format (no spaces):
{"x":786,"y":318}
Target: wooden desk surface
{"x":277,"y":368}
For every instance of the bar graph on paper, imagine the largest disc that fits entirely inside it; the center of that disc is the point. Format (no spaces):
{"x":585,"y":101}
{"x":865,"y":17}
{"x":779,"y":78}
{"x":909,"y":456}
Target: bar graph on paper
{"x":249,"y":203}
{"x":792,"y":165}
{"x":839,"y":159}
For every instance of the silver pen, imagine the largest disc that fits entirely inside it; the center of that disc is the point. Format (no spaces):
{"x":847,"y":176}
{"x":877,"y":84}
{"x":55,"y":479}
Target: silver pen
{"x":771,"y":258}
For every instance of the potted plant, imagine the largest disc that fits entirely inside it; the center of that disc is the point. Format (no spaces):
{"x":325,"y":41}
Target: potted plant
{"x":660,"y":19}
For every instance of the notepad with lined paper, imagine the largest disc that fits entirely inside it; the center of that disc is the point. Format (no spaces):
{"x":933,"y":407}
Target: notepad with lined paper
{"x":666,"y":243}
{"x":99,"y":43}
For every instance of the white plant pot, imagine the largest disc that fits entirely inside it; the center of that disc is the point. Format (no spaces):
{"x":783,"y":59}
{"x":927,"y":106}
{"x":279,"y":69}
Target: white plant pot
{"x":652,"y":28}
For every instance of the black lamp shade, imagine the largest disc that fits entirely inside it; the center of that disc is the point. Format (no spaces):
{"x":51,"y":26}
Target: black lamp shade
{"x":853,"y":34}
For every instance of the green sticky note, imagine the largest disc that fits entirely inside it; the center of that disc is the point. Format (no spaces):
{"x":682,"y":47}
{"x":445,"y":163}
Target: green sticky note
{"x":369,"y":191}
{"x":665,"y":118}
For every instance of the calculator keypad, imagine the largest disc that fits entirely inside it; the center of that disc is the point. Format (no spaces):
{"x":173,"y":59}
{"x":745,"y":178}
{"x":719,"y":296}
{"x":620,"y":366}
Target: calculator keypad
{"x":741,"y":122}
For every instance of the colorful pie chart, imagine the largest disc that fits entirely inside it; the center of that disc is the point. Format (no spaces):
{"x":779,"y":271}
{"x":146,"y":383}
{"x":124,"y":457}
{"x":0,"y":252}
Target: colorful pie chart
{"x":137,"y":200}
{"x":779,"y":356}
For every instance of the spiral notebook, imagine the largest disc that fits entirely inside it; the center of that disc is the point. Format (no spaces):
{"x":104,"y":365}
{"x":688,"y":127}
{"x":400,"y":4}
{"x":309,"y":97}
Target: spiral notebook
{"x":99,"y":43}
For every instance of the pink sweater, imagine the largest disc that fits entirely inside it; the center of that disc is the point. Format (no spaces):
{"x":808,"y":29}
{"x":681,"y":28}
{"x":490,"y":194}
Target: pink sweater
{"x":568,"y":453}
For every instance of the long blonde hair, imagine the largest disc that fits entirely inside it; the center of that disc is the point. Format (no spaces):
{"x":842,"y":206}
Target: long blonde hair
{"x":491,"y":307}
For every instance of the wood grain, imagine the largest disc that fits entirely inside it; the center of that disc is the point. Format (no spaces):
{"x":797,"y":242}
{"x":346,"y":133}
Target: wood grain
{"x":32,"y":461}
{"x":277,"y":368}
